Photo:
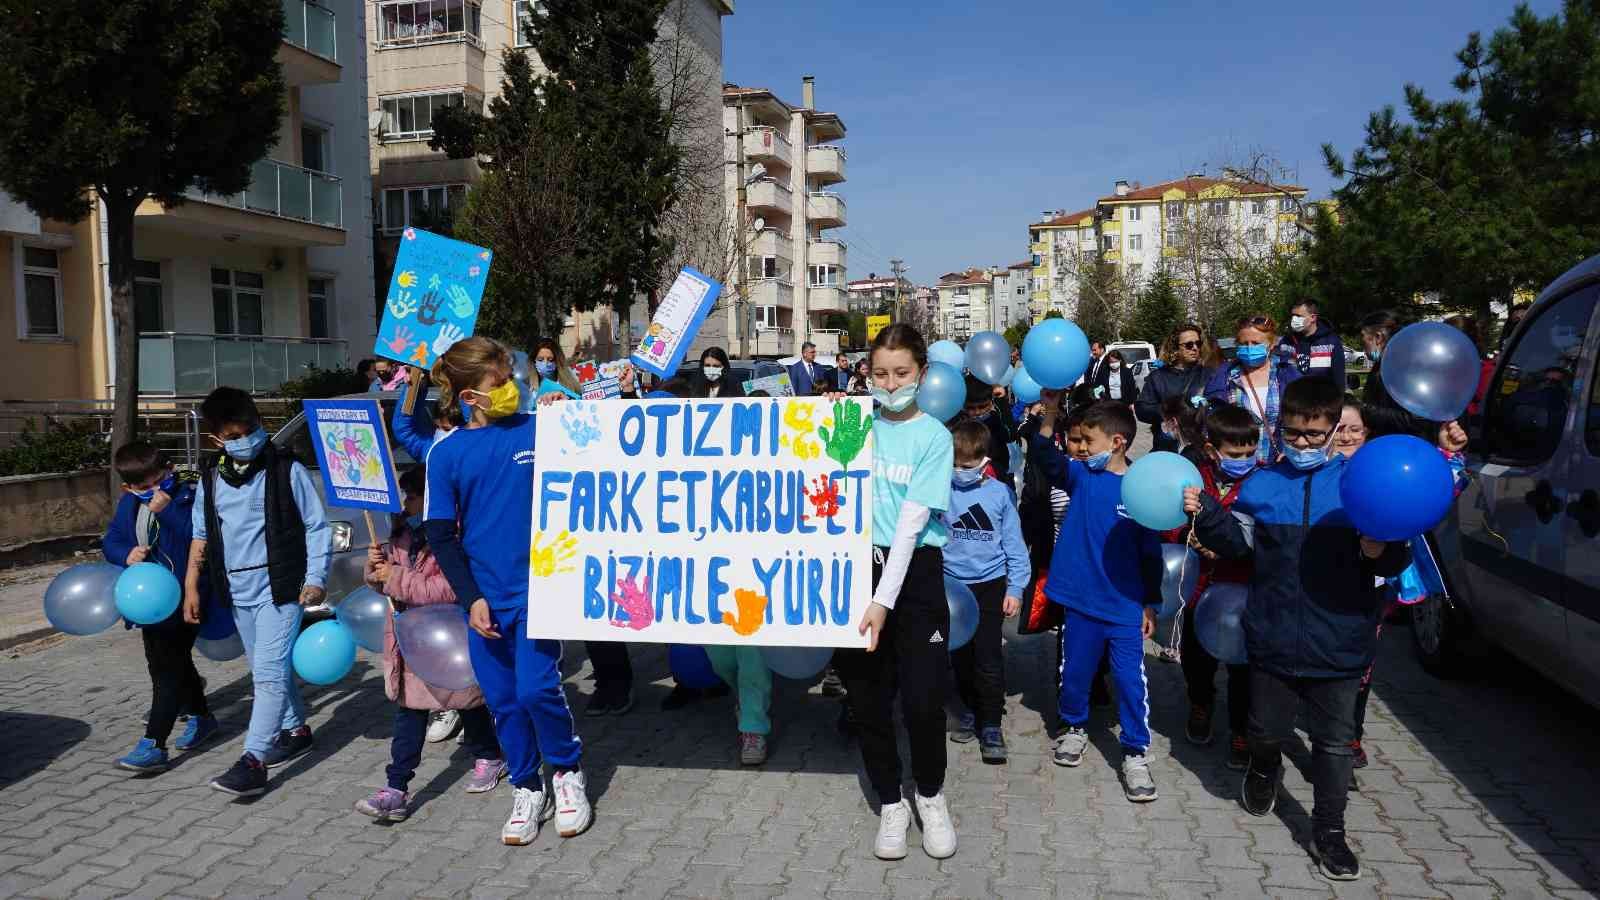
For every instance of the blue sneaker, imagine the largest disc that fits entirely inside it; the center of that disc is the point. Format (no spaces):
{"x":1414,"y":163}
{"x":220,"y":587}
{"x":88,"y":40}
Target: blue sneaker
{"x":199,"y":729}
{"x":966,"y":729}
{"x":147,"y":758}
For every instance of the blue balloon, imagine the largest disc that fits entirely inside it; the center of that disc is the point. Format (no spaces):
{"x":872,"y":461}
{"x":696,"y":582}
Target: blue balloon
{"x":1056,"y":353}
{"x":433,"y":642}
{"x":691,"y":667}
{"x":1396,"y":487}
{"x":1023,"y":385}
{"x":81,"y":600}
{"x":220,"y":649}
{"x":947,"y":352}
{"x":943,"y":391}
{"x":1432,"y":370}
{"x":147,"y":593}
{"x":216,"y":622}
{"x":1152,"y":491}
{"x":798,"y":663}
{"x":324,"y":653}
{"x":963,"y":612}
{"x":364,"y":612}
{"x":1219,"y":622}
{"x":1180,"y":575}
{"x":988,"y":357}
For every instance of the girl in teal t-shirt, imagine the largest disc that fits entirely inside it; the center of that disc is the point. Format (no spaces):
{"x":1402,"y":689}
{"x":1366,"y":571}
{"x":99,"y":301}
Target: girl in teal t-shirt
{"x":908,"y":620}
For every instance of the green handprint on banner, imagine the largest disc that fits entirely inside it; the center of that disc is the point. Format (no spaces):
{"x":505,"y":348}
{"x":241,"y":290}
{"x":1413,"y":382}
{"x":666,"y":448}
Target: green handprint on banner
{"x":850,"y":431}
{"x":460,"y":302}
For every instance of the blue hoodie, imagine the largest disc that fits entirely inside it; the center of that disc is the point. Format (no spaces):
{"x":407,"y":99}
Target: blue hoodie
{"x":985,"y":537}
{"x":171,"y":528}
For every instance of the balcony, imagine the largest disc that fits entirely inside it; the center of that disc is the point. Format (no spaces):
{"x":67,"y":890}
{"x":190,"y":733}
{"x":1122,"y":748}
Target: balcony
{"x":825,"y":209}
{"x":772,"y":341}
{"x":770,"y":197}
{"x":826,"y":252}
{"x":771,"y":242}
{"x":285,"y":205}
{"x":825,"y":298}
{"x":768,"y":146}
{"x":827,"y":340}
{"x":825,"y":163}
{"x":771,"y":292}
{"x":179,"y":364}
{"x":310,"y":50}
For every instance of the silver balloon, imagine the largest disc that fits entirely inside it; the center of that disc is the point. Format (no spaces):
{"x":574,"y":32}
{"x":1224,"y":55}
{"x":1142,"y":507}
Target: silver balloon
{"x":222,"y":649}
{"x":82,"y":600}
{"x":1180,"y":576}
{"x":1432,"y":370}
{"x":364,"y":613}
{"x":989,"y":357}
{"x":1219,"y":622}
{"x":433,"y":643}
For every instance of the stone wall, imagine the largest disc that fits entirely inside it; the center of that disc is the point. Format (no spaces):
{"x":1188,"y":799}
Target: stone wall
{"x":44,"y":507}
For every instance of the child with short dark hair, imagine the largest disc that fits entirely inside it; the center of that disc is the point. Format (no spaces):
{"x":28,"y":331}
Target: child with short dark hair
{"x":262,"y":539}
{"x":1311,"y":623}
{"x":152,"y":524}
{"x":1106,"y":571}
{"x":987,"y":554}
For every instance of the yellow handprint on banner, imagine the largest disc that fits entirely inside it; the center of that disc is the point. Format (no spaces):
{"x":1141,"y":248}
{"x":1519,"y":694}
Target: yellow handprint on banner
{"x":797,"y":419}
{"x":555,"y":557}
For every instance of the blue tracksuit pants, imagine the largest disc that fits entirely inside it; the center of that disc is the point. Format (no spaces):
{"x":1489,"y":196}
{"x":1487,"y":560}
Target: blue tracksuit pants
{"x":521,"y":681}
{"x":1083,"y":641}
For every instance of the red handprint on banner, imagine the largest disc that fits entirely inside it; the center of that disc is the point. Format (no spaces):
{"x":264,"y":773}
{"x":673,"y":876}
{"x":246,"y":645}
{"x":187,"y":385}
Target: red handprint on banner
{"x":634,"y":603}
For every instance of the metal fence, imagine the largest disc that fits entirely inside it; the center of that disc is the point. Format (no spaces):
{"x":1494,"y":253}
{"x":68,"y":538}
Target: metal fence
{"x":172,"y":425}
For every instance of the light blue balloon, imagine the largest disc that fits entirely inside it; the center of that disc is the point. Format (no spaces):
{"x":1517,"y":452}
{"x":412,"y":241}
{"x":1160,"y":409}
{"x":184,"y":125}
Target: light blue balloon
{"x":963,"y":612}
{"x":799,"y":663}
{"x":1152,"y":490}
{"x":988,"y":357}
{"x":1432,"y":370}
{"x":220,"y":649}
{"x":947,"y":352}
{"x":1023,"y":385}
{"x":1219,"y":622}
{"x":324,"y":653}
{"x":81,"y":600}
{"x":1056,"y":353}
{"x":943,"y":391}
{"x":147,"y":593}
{"x":364,"y":612}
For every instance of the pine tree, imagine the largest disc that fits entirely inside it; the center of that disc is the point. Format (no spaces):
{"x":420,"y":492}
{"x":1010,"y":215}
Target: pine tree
{"x":1157,"y":312}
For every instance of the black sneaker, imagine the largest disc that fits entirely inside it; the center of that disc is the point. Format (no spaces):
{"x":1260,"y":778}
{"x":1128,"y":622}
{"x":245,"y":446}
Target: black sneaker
{"x":680,"y":697}
{"x":601,"y":703}
{"x":1198,"y":729}
{"x":246,"y":778}
{"x":966,"y":730}
{"x":832,"y":684}
{"x":992,"y":745}
{"x":1333,"y":855}
{"x":1259,"y":792}
{"x":289,"y":746}
{"x":1238,"y":753}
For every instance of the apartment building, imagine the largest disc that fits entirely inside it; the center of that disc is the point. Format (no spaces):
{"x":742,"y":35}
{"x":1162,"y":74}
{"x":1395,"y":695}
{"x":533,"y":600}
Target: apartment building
{"x":965,"y":303}
{"x":426,"y":55}
{"x":1009,"y":290}
{"x":868,"y":295}
{"x":1142,"y":230}
{"x":793,"y":273}
{"x":245,"y":290}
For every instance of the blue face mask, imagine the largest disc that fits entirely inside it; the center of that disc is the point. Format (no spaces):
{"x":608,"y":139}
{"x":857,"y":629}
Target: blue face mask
{"x":545,"y":367}
{"x":1099,"y":461}
{"x":897,"y":401}
{"x":1306,"y":460}
{"x":245,"y":449}
{"x":1252,"y":355}
{"x":414,"y":522}
{"x":1236,"y":468}
{"x":969,"y":477}
{"x":165,"y":487}
{"x":1374,"y":354}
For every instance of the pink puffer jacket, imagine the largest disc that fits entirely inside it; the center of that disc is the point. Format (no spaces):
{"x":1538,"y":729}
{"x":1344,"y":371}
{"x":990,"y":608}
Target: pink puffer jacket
{"x":419,"y":585}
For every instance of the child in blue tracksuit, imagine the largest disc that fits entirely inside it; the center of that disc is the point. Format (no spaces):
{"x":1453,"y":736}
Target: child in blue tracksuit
{"x":985,"y":552}
{"x":481,"y":476}
{"x":152,"y":524}
{"x":1106,"y":571}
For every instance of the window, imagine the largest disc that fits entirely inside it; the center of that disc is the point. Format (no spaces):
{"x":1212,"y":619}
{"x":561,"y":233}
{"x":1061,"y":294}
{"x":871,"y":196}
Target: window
{"x":314,"y":153}
{"x":1036,"y":259}
{"x":525,"y":12}
{"x":236,"y":302}
{"x":822,"y":276}
{"x":41,"y":293}
{"x":1135,"y":242}
{"x":411,"y":118}
{"x":1217,"y":208}
{"x":1133,"y":214}
{"x":1258,"y":235}
{"x":428,"y":21}
{"x":317,"y":293}
{"x":1526,"y":411}
{"x":961,"y":292}
{"x":147,"y":297}
{"x":1285,"y":204}
{"x":1175,"y":209}
{"x":405,"y":206}
{"x":766,"y":317}
{"x":1258,"y":207}
{"x":1108,"y":243}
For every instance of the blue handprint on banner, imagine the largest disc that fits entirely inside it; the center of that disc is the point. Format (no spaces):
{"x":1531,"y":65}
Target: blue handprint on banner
{"x":437,"y":289}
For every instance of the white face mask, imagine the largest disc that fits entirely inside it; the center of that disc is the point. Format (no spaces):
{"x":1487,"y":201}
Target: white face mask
{"x":712,"y":373}
{"x":1298,"y":323}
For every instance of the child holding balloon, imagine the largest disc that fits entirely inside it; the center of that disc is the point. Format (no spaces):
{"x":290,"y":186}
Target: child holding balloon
{"x":152,"y":524}
{"x":409,"y":575}
{"x":1311,"y":621}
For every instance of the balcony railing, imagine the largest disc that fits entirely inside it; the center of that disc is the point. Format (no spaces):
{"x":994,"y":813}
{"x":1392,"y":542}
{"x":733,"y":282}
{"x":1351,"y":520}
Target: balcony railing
{"x":766,"y":144}
{"x":289,"y":192}
{"x":183,"y":364}
{"x":825,"y":209}
{"x":311,"y":27}
{"x":770,"y":194}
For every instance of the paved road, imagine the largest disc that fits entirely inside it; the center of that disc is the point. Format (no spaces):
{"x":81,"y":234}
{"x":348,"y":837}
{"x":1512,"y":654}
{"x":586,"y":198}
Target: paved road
{"x":1475,"y":790}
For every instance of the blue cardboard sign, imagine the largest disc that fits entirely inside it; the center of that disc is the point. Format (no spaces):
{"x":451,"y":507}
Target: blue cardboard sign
{"x":433,"y":298}
{"x":352,"y":443}
{"x":678,"y":318}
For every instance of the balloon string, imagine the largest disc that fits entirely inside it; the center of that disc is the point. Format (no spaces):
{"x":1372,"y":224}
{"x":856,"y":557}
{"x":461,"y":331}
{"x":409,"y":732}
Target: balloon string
{"x":1176,"y":638}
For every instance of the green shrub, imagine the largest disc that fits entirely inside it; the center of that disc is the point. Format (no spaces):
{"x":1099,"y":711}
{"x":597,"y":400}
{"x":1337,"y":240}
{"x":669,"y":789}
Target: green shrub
{"x":59,"y":448}
{"x":320,"y":384}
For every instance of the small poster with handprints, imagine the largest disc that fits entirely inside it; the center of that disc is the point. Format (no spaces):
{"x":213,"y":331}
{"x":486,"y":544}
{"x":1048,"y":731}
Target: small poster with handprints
{"x":353,"y":453}
{"x":434,"y":297}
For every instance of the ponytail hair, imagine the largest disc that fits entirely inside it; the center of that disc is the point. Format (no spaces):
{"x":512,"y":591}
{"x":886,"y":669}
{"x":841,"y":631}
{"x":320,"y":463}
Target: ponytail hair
{"x":463,"y":367}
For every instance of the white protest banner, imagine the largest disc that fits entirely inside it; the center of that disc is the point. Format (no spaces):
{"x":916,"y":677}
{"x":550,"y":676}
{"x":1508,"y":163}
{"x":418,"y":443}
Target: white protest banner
{"x":678,"y":318}
{"x":702,"y":522}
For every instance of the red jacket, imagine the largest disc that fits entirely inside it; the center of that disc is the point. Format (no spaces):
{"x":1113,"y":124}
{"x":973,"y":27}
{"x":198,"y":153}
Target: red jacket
{"x":1231,"y":571}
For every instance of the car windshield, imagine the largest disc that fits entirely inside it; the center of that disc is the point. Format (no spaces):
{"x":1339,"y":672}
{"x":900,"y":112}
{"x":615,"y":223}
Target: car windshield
{"x":1133,"y":354}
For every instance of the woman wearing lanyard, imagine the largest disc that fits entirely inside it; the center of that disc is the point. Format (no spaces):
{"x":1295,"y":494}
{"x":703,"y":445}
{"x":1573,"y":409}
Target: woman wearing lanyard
{"x":1254,"y":380}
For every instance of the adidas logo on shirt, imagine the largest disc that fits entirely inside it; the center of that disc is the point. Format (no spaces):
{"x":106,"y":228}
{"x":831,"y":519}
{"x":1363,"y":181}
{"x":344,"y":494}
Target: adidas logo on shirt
{"x":936,"y":639}
{"x":973,"y":525}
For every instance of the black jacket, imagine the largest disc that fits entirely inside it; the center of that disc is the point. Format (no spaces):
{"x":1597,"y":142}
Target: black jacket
{"x":730,"y":387}
{"x":1103,"y":380}
{"x":1313,"y":609}
{"x":286,"y":532}
{"x":1321,"y":355}
{"x":1033,"y":503}
{"x":1164,"y":382}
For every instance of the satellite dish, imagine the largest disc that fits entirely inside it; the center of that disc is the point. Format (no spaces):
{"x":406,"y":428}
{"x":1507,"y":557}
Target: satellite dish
{"x":759,"y":223}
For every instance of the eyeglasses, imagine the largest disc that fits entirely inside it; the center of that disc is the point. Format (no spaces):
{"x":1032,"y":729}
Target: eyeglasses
{"x":1310,"y":438}
{"x":1189,"y":345}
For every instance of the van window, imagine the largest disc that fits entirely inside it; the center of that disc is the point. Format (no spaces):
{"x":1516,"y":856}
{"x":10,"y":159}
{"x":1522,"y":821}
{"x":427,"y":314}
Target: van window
{"x":1527,"y":407}
{"x":1591,"y":420}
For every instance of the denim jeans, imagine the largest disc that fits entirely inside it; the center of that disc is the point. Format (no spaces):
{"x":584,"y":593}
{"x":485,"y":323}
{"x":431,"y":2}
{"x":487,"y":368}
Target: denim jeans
{"x":269,"y":631}
{"x":411,"y":730}
{"x":1331,"y":723}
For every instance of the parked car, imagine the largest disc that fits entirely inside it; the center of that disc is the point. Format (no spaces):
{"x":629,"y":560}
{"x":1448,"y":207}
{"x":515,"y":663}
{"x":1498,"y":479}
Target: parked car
{"x":1141,"y":371}
{"x":1133,"y":351}
{"x":1519,"y":553}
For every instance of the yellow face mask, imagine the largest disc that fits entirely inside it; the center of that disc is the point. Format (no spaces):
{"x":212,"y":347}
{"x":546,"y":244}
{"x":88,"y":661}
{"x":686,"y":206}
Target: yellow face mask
{"x":503,"y":400}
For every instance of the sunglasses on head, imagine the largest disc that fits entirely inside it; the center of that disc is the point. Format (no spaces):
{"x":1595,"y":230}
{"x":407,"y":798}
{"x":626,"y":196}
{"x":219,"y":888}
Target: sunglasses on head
{"x":1255,"y":322}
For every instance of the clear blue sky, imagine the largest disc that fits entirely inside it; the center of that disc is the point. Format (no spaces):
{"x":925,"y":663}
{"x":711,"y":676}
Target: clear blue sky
{"x":967,"y":119}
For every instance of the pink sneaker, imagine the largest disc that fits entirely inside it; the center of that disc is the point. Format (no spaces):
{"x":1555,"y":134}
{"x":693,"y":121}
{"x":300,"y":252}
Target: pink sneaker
{"x":385,"y":805}
{"x":486,"y":773}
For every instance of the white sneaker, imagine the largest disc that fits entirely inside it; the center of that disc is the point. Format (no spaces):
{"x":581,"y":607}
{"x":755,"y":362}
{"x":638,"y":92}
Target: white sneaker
{"x":442,"y":725}
{"x":528,"y":809}
{"x":893,"y":820}
{"x":573,"y":812}
{"x":938,"y":832}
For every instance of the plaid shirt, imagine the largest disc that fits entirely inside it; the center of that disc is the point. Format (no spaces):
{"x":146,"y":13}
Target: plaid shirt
{"x":1239,"y":395}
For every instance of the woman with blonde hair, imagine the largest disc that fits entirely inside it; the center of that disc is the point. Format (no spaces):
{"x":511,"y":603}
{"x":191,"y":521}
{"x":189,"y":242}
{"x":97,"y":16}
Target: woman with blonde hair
{"x":1255,"y":381}
{"x":1188,"y":357}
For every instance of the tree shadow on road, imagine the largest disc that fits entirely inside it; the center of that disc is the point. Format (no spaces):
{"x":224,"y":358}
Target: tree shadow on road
{"x":47,"y":738}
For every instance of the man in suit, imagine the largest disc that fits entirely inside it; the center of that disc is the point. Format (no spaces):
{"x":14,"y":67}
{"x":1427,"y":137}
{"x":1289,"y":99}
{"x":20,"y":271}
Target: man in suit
{"x":1097,"y":361}
{"x":806,"y":374}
